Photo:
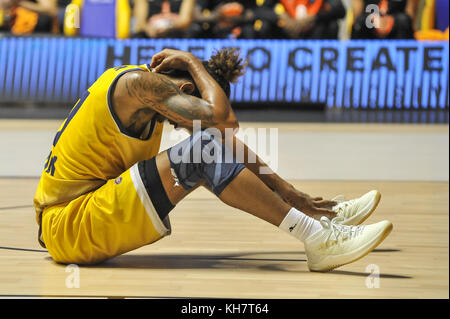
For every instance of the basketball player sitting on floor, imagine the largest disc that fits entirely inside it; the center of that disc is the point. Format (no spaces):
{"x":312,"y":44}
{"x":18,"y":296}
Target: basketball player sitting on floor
{"x":105,"y":190}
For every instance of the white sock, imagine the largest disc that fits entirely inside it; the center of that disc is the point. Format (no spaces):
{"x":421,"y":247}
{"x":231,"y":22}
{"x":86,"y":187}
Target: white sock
{"x":299,"y":225}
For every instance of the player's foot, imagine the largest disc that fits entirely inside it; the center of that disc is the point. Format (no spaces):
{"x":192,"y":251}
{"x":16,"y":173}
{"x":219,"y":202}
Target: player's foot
{"x":355,"y":211}
{"x":337,"y":244}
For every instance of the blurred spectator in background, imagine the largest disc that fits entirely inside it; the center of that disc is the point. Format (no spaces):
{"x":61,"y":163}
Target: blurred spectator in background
{"x":263,"y":19}
{"x":162,"y":18}
{"x":203,"y":19}
{"x":220,"y":19}
{"x":61,"y":11}
{"x":5,"y":15}
{"x":385,"y":19}
{"x":430,"y":19}
{"x":23,"y":17}
{"x":32,"y":16}
{"x":311,"y":19}
{"x":246,"y":19}
{"x":98,"y":18}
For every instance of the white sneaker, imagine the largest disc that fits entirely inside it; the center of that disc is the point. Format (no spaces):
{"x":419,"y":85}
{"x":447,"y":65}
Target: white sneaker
{"x":337,"y":244}
{"x":355,"y":211}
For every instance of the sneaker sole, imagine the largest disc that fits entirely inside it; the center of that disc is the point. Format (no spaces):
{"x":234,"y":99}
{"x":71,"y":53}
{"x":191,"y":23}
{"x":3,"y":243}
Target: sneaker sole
{"x":367,"y":215}
{"x":373,"y":245}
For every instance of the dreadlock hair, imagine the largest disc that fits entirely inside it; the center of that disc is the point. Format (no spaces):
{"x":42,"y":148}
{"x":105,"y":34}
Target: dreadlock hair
{"x":225,"y":66}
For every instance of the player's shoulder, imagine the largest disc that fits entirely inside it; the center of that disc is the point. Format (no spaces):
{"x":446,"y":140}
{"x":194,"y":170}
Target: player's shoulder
{"x":133,"y":80}
{"x":124,"y":90}
{"x":127,"y":78}
{"x":108,"y":79}
{"x":115,"y":77}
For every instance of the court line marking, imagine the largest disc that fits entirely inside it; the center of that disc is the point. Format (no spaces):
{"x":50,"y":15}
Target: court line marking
{"x":15,"y":207}
{"x":108,"y":297}
{"x":19,"y":177}
{"x":24,"y":249}
{"x":3,"y":177}
{"x":206,"y":257}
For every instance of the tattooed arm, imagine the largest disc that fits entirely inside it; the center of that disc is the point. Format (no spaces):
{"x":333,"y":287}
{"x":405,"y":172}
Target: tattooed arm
{"x":210,"y":91}
{"x":140,"y":95}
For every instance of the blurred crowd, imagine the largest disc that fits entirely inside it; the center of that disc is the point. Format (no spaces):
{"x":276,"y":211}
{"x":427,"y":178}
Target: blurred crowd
{"x":246,"y":19}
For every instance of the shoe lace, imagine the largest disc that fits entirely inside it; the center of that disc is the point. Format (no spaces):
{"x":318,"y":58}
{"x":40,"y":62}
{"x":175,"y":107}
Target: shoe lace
{"x":339,"y":232}
{"x":342,"y":204}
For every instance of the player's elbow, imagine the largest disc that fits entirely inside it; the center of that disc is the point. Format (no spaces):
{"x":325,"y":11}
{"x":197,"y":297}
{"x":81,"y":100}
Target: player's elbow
{"x":234,"y":124}
{"x":231,"y":123}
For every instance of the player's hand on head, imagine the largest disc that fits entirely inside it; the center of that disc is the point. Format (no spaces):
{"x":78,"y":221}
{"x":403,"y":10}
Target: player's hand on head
{"x":169,"y":59}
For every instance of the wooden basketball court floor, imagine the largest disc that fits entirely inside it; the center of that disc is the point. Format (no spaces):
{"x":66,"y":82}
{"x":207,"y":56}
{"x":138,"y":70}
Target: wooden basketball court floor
{"x":217,"y":251}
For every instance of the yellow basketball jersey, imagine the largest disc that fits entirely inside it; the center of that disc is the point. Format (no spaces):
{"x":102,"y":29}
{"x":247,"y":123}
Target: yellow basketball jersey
{"x":91,"y":146}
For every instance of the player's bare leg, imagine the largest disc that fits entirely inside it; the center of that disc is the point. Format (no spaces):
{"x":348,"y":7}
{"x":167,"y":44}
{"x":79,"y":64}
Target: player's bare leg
{"x":245,"y":192}
{"x":328,"y":244}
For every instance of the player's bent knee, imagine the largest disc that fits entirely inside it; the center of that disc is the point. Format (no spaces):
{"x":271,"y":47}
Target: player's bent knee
{"x":203,"y":157}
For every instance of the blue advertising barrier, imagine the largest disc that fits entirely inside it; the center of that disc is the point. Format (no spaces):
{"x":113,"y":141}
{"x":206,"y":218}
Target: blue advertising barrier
{"x":347,"y":74}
